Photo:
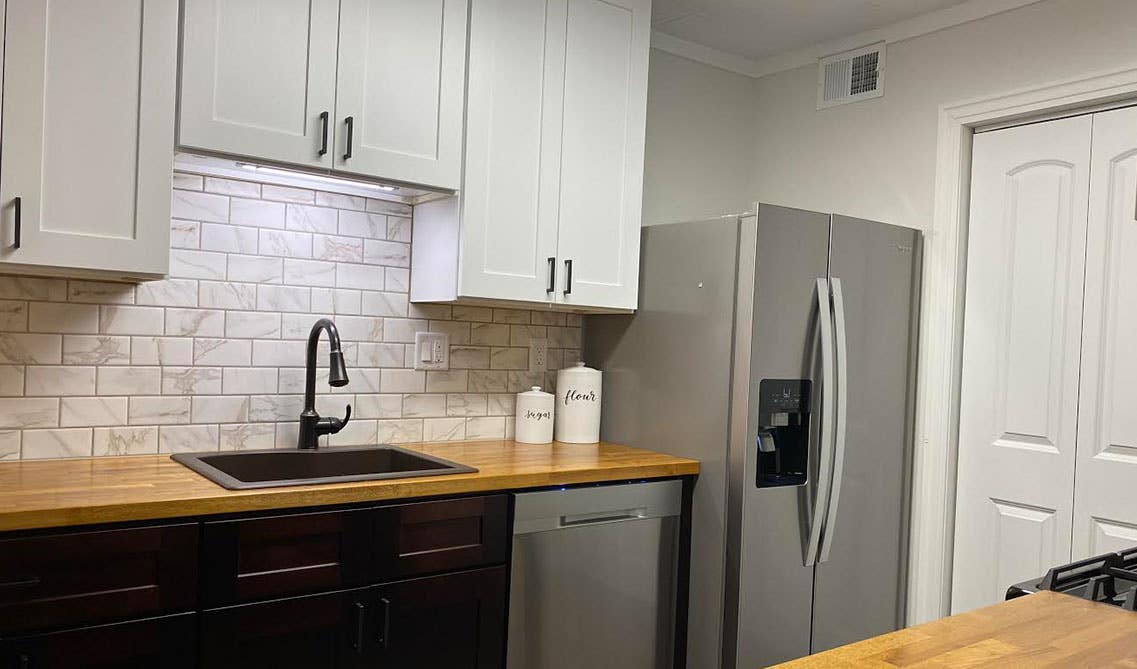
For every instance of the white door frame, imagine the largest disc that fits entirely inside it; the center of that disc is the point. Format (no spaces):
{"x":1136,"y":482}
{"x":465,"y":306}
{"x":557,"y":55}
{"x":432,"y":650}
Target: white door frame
{"x":941,"y":331}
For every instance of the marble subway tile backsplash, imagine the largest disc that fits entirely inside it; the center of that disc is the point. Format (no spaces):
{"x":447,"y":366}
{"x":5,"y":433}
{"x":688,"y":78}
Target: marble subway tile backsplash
{"x":212,"y":356}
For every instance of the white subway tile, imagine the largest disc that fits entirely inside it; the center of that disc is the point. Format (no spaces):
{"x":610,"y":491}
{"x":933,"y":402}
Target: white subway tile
{"x":378,"y":406}
{"x":361,"y":224}
{"x":489,"y":334}
{"x":269,"y":408}
{"x":191,"y":380}
{"x":9,"y":444}
{"x":59,"y":317}
{"x":128,"y":320}
{"x":336,"y":301}
{"x":512,"y":316}
{"x":287,"y":194}
{"x":466,"y":404}
{"x":490,"y":427}
{"x":399,"y":431}
{"x":190,"y":264}
{"x":391,"y":254}
{"x":342,"y":249}
{"x":158,"y":410}
{"x":356,"y":433}
{"x":248,"y":436}
{"x":248,"y":380}
{"x":403,"y":329}
{"x":424,"y":406}
{"x":161,"y":351}
{"x":384,"y":304}
{"x":520,"y":381}
{"x":13,"y":316}
{"x":11,"y":380}
{"x":184,"y":235}
{"x":252,"y":324}
{"x":444,"y":429}
{"x":232,"y":187}
{"x":458,"y":331}
{"x":399,"y":229}
{"x":41,"y":349}
{"x":287,"y":434}
{"x":229,"y":238}
{"x":365,"y":277}
{"x":469,"y":357}
{"x":284,"y":243}
{"x":183,"y":181}
{"x":385,"y":207}
{"x":398,"y":279}
{"x":255,"y":269}
{"x":509,"y":358}
{"x":168,"y":293}
{"x":195,"y":322}
{"x":361,"y":380}
{"x":187,"y":438}
{"x":487,"y":381}
{"x":58,"y":381}
{"x":309,"y":272}
{"x":403,"y":381}
{"x":448,"y":381}
{"x":24,"y":412}
{"x":431,"y":312}
{"x":233,"y":352}
{"x":256,"y":213}
{"x":310,"y":219}
{"x":548,"y":317}
{"x":360,"y":328}
{"x":220,"y":409}
{"x":380,"y":355}
{"x":125,"y":440}
{"x":69,"y":443}
{"x":340,"y":201}
{"x":30,"y":288}
{"x":283,"y":298}
{"x":129,"y":381}
{"x":501,"y":404}
{"x":227,"y":295}
{"x":278,"y":353}
{"x":100,"y":292}
{"x":92,"y":411}
{"x":199,"y":206}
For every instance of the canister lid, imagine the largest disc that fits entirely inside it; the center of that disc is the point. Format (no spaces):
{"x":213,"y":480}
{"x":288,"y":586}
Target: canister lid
{"x":535,"y":391}
{"x":579,"y":368}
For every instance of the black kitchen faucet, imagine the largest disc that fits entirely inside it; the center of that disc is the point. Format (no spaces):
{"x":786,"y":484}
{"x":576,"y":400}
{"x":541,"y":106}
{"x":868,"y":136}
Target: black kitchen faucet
{"x":311,"y":424}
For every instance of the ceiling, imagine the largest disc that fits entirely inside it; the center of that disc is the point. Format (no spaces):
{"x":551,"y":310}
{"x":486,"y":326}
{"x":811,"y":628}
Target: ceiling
{"x":756,"y":29}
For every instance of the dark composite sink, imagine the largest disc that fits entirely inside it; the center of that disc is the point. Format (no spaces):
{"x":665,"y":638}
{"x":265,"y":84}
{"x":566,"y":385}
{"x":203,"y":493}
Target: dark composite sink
{"x":266,"y":469}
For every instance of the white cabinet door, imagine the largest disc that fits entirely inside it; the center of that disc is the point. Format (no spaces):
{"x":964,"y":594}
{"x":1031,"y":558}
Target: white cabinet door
{"x":1105,"y":494}
{"x":1019,"y":389}
{"x":258,"y":78}
{"x":599,"y":160}
{"x":399,"y":90}
{"x":88,"y":134}
{"x":509,"y":228}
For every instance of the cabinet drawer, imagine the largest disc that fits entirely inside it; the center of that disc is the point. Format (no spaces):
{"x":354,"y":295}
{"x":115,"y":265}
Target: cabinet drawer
{"x":264,"y":558}
{"x":428,"y":537}
{"x":154,"y":643}
{"x":58,"y":580}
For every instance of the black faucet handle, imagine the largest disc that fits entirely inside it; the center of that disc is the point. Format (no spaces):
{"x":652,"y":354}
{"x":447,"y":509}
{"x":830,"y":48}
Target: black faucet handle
{"x":337,"y":424}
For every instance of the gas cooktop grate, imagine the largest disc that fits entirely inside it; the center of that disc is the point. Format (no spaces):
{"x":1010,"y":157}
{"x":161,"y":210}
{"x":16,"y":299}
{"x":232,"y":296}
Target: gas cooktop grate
{"x":1110,"y":578}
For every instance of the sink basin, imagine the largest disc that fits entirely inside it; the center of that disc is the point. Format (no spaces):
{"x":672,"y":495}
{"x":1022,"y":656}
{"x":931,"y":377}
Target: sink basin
{"x":271,"y":468}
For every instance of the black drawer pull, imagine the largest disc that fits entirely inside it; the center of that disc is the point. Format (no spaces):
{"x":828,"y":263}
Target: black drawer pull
{"x":385,"y":631}
{"x":359,"y":611}
{"x":568,"y":277}
{"x":324,"y":133}
{"x":19,"y":220}
{"x":552,"y":275}
{"x":350,"y":123}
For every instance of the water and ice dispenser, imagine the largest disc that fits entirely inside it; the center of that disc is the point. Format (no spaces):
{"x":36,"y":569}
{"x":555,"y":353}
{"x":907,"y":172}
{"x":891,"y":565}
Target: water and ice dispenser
{"x":783,"y":432}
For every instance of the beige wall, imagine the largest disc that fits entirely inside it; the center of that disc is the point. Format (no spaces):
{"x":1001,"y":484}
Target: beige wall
{"x":876,"y":159}
{"x":700,"y":134}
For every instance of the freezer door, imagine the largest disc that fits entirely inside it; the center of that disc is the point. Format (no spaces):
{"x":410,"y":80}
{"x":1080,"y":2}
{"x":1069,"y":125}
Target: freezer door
{"x":769,"y":587}
{"x":859,"y":584}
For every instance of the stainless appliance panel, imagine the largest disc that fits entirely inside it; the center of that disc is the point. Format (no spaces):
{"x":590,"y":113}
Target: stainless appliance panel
{"x":859,"y":589}
{"x":769,"y":588}
{"x":593,"y":577}
{"x":667,"y":372}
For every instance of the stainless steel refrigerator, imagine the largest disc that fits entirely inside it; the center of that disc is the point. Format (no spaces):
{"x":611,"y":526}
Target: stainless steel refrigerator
{"x":779,"y":349}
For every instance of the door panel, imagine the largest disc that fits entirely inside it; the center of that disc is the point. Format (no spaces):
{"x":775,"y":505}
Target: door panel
{"x":153,"y":643}
{"x":1105,"y":501}
{"x":1019,"y":389}
{"x":859,"y":590}
{"x":600,"y":156}
{"x":256,"y":75}
{"x":400,"y":80}
{"x":92,"y":179}
{"x":506,"y":241}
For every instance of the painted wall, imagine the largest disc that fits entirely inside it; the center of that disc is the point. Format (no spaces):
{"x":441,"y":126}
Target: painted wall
{"x":698,"y":161}
{"x":876,"y":159}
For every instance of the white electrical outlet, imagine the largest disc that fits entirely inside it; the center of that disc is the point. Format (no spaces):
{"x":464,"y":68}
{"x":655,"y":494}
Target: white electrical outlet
{"x":432,"y":350}
{"x":538,"y":355}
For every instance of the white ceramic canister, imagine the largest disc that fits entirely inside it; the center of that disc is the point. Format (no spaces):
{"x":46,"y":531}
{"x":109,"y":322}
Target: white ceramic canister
{"x":534,"y":419}
{"x":578,"y":405}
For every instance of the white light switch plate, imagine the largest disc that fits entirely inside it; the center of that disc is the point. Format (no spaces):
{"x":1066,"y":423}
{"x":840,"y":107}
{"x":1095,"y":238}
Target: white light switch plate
{"x":432,"y":350}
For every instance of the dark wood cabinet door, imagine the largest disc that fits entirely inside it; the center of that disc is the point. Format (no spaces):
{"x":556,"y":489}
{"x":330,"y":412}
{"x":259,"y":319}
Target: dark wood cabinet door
{"x":155,"y":643}
{"x":455,"y":621}
{"x":278,"y":556}
{"x":328,"y":630}
{"x":447,"y":535}
{"x":55,"y":581}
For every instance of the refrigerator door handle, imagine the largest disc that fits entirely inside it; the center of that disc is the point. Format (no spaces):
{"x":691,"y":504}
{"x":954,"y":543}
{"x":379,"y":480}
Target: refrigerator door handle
{"x":842,"y":424}
{"x":828,"y":387}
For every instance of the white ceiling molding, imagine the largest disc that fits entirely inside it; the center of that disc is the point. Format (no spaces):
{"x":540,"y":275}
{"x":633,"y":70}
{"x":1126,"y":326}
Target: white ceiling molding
{"x":795,"y":58}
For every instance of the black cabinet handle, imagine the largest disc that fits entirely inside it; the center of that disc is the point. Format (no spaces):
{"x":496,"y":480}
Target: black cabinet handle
{"x":350,"y":123}
{"x":25,"y":661}
{"x":359,"y":611}
{"x":324,"y":133}
{"x":19,"y":220}
{"x":385,"y":630}
{"x":568,"y":277}
{"x":552,"y":275}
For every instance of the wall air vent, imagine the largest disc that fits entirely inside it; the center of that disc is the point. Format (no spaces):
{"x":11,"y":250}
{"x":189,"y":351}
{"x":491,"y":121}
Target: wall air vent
{"x":851,"y":76}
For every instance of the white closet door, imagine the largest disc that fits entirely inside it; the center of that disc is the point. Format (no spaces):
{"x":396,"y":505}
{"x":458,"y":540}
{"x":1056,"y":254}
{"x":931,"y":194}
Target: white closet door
{"x":1019,"y":392}
{"x":256,"y":77}
{"x":1105,"y":499}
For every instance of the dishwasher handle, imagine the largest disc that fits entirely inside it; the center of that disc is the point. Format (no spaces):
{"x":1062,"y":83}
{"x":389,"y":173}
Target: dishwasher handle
{"x":576,"y":520}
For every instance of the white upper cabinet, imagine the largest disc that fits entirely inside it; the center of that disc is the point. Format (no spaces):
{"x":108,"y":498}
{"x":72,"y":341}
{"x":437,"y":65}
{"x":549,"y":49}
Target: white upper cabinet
{"x":368,"y":87}
{"x":399,"y":89}
{"x":87,"y":135}
{"x":259,"y":78}
{"x":601,"y":153}
{"x":549,"y":209}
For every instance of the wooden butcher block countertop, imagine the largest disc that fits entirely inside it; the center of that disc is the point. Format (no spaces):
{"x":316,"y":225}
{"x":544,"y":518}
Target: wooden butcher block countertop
{"x":1046,"y":629}
{"x":56,"y":493}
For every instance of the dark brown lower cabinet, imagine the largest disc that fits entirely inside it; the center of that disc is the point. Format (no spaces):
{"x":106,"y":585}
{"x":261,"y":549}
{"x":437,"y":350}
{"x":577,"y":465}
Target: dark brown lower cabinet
{"x":154,"y":643}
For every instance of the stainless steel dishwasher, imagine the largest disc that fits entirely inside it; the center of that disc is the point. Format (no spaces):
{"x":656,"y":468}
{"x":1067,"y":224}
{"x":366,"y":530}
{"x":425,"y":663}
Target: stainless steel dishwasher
{"x":594,"y":576}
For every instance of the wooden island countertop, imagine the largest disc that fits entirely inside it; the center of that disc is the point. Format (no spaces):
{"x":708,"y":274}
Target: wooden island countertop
{"x":58,"y":493}
{"x":1045,"y":629}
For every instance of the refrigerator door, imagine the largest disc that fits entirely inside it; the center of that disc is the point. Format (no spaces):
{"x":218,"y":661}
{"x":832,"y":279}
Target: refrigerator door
{"x":667,"y":371}
{"x":769,"y":589}
{"x":859,"y":588}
